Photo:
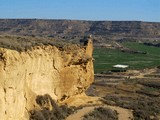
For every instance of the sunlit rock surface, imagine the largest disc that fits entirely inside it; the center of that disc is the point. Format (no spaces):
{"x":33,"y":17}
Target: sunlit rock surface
{"x":42,"y":70}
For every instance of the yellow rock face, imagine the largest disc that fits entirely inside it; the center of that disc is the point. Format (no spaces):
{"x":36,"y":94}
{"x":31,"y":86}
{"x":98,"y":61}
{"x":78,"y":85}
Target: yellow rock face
{"x":41,"y":70}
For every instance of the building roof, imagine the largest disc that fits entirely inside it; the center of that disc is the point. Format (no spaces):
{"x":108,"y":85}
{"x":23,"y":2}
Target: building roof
{"x":120,"y":66}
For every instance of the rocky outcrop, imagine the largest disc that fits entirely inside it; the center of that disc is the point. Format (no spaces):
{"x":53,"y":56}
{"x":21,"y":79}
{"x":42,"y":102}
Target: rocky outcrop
{"x":60,"y":73}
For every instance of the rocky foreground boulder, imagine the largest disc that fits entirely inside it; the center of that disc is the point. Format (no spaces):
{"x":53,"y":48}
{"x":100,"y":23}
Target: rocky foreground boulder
{"x":60,"y":73}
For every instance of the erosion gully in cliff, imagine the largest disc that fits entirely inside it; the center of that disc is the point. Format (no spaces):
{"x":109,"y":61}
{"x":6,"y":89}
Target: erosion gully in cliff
{"x":58,"y":72}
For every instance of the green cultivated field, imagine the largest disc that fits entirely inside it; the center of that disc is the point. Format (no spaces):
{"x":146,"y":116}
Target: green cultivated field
{"x":105,"y":58}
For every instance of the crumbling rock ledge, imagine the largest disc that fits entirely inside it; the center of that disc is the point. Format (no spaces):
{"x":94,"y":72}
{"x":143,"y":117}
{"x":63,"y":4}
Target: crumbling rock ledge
{"x":39,"y":71}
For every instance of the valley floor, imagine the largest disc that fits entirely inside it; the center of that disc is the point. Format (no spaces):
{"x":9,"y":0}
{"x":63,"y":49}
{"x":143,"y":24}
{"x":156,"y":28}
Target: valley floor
{"x":133,"y":96}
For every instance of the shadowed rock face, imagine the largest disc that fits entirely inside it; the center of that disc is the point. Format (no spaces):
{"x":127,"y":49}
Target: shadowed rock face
{"x":39,"y":71}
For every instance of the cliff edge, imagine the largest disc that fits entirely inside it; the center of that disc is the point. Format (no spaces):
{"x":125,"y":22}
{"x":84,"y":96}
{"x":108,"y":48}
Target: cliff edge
{"x":60,"y":73}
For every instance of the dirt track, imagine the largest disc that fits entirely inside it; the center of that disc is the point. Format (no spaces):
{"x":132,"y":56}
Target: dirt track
{"x":123,"y":114}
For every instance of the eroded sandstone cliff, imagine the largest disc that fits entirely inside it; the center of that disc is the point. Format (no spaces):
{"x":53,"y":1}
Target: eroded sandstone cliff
{"x":60,"y":73}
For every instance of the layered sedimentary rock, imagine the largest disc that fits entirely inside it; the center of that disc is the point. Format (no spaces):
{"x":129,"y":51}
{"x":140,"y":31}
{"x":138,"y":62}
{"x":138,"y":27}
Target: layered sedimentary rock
{"x":60,"y":73}
{"x":76,"y":29}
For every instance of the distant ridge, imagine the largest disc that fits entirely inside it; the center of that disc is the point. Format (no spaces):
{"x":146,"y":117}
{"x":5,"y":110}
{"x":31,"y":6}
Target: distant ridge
{"x":72,"y":29}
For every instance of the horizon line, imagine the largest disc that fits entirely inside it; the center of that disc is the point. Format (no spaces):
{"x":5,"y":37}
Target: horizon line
{"x":92,"y":20}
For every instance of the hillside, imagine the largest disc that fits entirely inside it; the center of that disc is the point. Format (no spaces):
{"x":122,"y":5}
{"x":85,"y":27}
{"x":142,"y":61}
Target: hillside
{"x":43,"y":76}
{"x":74,"y":29}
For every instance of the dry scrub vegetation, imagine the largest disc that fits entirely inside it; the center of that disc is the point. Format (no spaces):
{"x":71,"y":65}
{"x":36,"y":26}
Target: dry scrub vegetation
{"x":49,"y":109}
{"x":142,"y":95}
{"x":22,"y":43}
{"x":101,"y":113}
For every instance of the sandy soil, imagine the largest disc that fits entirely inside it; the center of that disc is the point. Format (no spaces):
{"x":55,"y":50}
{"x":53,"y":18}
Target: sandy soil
{"x":92,"y":102}
{"x":123,"y":114}
{"x":80,"y":113}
